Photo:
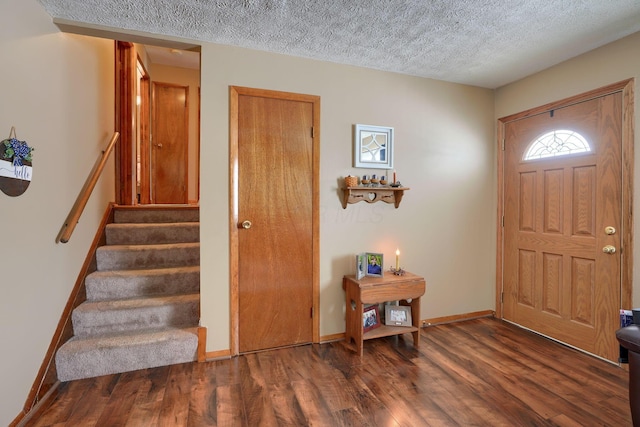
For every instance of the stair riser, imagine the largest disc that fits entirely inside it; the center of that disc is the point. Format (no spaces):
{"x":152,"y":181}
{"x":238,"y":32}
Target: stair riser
{"x":156,"y":215}
{"x":94,"y":323}
{"x":132,"y":257}
{"x":146,"y":234}
{"x":121,"y":285}
{"x":76,"y":362}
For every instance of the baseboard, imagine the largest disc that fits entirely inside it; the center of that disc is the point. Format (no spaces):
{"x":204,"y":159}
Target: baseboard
{"x":331,"y":338}
{"x":25,"y":417}
{"x":456,"y":318}
{"x":218,"y":355}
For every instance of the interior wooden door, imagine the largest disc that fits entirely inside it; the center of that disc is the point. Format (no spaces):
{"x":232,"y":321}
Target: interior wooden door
{"x":275,"y":219}
{"x":558,"y":279}
{"x":169,"y":143}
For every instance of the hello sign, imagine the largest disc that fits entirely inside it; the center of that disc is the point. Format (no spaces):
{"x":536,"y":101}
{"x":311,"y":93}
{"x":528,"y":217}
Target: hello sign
{"x":16,"y":159}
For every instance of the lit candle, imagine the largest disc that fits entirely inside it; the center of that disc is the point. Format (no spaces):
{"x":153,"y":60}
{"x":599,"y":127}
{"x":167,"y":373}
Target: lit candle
{"x":397,"y":259}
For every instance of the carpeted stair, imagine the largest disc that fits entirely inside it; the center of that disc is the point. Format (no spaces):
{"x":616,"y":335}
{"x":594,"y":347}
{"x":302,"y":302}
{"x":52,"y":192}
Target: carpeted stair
{"x":143,"y":302}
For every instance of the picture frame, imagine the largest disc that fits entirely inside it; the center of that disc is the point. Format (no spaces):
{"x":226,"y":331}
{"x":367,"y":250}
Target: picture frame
{"x":397,"y":315}
{"x":375,"y":264}
{"x":372,"y":147}
{"x":361,"y":263}
{"x":370,"y":318}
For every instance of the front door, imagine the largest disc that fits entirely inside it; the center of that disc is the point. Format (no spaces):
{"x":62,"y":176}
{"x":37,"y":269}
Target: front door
{"x":169,"y":143}
{"x":276,"y":222}
{"x":563,"y":223}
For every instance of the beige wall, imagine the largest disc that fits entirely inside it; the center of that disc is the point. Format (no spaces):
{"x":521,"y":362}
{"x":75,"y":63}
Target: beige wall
{"x":444,"y":152}
{"x":57,"y":90}
{"x":612,"y":63}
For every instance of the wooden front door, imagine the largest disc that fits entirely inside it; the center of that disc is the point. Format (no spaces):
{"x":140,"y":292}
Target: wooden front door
{"x":558,"y":280}
{"x":169,"y":143}
{"x":276,"y":220}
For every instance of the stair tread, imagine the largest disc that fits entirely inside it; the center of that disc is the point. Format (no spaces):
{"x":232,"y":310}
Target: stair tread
{"x":137,"y":302}
{"x":130,"y":338}
{"x":149,"y":246}
{"x":147,"y":271}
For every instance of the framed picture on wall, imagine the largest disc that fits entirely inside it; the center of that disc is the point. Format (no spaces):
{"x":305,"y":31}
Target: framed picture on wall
{"x":372,"y":147}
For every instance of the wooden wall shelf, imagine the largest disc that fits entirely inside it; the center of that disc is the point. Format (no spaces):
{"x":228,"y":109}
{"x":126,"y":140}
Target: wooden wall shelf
{"x":372,"y":195}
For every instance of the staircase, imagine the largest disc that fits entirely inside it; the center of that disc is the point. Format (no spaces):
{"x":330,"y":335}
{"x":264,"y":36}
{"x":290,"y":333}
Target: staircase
{"x":143,"y":302}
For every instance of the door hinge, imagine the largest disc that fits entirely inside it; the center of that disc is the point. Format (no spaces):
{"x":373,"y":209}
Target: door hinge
{"x":502,"y":221}
{"x":311,"y":312}
{"x":501,"y":297}
{"x":313,"y":132}
{"x":502,"y":144}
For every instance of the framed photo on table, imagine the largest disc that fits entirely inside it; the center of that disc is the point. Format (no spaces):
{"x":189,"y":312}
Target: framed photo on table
{"x":397,"y":315}
{"x":374,"y":264}
{"x":370,"y":318}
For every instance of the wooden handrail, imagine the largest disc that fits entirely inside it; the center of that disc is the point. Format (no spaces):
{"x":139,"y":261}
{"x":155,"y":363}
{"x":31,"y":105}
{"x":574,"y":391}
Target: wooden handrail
{"x":85,"y":193}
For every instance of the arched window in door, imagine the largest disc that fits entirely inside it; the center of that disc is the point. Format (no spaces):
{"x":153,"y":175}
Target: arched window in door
{"x":557,"y":143}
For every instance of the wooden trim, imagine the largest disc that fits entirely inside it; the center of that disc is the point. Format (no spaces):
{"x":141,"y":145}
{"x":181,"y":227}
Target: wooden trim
{"x":628,"y":138}
{"x":627,"y":89}
{"x":457,"y":318}
{"x":145,"y":135}
{"x":234,"y":92}
{"x":202,"y":344}
{"x":500,"y":224}
{"x":85,"y":193}
{"x":47,"y":375}
{"x":218,"y":355}
{"x":233,"y":220}
{"x":125,"y":95}
{"x":332,"y":338}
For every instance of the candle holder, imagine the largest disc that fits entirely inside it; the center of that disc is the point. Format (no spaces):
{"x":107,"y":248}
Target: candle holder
{"x":399,"y":272}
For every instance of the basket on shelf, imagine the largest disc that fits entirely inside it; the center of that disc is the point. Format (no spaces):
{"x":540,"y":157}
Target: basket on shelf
{"x":351,"y":181}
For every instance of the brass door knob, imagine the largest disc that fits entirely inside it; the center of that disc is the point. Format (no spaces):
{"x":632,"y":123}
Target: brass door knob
{"x":609,"y":231}
{"x":609,"y":249}
{"x":246,"y":224}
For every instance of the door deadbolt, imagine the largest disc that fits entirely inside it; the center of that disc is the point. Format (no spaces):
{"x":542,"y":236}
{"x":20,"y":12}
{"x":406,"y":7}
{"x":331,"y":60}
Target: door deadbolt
{"x":246,"y":224}
{"x":609,"y":231}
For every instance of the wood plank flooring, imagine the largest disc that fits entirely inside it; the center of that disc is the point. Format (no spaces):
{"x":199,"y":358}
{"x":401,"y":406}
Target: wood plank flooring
{"x":481,"y":372}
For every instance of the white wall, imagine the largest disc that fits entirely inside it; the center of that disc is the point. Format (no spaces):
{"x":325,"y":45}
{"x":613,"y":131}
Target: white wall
{"x":57,"y":90}
{"x":612,"y":63}
{"x":444,"y":152}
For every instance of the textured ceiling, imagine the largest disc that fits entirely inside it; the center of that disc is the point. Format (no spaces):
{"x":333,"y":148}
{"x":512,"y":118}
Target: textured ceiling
{"x":485,"y":43}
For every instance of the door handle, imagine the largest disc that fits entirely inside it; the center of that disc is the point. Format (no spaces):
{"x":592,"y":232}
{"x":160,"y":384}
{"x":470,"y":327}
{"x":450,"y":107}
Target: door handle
{"x":609,"y":249}
{"x":246,"y":224}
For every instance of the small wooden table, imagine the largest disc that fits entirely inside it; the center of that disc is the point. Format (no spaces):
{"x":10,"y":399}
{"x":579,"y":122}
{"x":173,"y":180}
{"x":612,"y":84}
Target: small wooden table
{"x":407,"y":289}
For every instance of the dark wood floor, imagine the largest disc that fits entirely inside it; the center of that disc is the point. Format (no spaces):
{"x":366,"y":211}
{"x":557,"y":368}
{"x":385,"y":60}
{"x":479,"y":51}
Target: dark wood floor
{"x":475,"y":373}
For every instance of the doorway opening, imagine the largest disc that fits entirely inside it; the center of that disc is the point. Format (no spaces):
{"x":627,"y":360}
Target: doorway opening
{"x":158,"y":117}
